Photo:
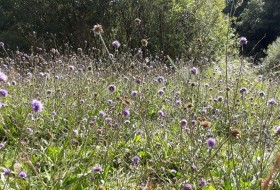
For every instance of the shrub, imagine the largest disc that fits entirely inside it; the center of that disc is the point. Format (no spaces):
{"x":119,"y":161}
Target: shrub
{"x":272,"y":61}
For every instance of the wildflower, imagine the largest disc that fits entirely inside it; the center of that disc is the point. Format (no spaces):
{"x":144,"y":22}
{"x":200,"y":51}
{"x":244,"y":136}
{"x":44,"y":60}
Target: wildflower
{"x":187,"y":186}
{"x":271,"y":101}
{"x":220,"y":98}
{"x":144,"y":42}
{"x":262,"y":94}
{"x":211,"y":142}
{"x":3,"y":92}
{"x":3,"y":77}
{"x":134,"y":93}
{"x":2,"y":145}
{"x":203,"y":182}
{"x":126,"y":112}
{"x":205,"y":124}
{"x":22,"y":174}
{"x":102,"y":113}
{"x":108,"y":119}
{"x":193,"y":167}
{"x":194,"y":71}
{"x":112,"y":88}
{"x":97,"y":29}
{"x":36,"y":105}
{"x":2,"y":44}
{"x":278,"y":130}
{"x":160,"y":92}
{"x":177,"y":102}
{"x":243,"y":41}
{"x":160,"y":113}
{"x":160,"y":79}
{"x":7,"y":171}
{"x":242,"y":90}
{"x":183,"y":123}
{"x":116,"y":44}
{"x":135,"y":160}
{"x":96,"y":169}
{"x":235,"y":132}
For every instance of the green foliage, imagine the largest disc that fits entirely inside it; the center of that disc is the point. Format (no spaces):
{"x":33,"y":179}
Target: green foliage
{"x":188,"y":28}
{"x":272,"y":61}
{"x":259,"y":22}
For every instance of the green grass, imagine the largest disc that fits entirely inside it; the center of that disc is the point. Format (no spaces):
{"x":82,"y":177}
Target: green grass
{"x":58,"y":147}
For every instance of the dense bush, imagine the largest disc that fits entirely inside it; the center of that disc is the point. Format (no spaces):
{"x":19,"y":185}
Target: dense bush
{"x":195,"y":29}
{"x":272,"y":61}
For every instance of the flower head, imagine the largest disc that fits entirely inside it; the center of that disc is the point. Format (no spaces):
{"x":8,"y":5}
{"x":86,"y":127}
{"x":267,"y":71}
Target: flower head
{"x":36,"y":105}
{"x":112,"y":88}
{"x":3,"y":77}
{"x":203,"y":182}
{"x":135,"y":160}
{"x":96,"y":169}
{"x":160,"y":113}
{"x":187,"y":187}
{"x":22,"y":174}
{"x":211,"y":142}
{"x":137,"y":21}
{"x":183,"y":123}
{"x":126,"y":112}
{"x":243,"y":41}
{"x":116,"y":44}
{"x":134,"y":93}
{"x":2,"y":44}
{"x":97,"y":29}
{"x":3,"y":92}
{"x":271,"y":101}
{"x":144,"y":42}
{"x":194,"y":71}
{"x":278,"y":130}
{"x":7,"y":171}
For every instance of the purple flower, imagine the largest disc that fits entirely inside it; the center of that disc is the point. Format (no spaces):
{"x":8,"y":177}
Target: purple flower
{"x":7,"y":171}
{"x":36,"y":105}
{"x":203,"y":182}
{"x":243,"y":41}
{"x":211,"y":142}
{"x":194,"y":71}
{"x":2,"y":145}
{"x":3,"y":92}
{"x":193,"y":167}
{"x":160,"y":92}
{"x":277,"y":130}
{"x":108,"y":119}
{"x":178,"y":102}
{"x":262,"y":94}
{"x":126,"y":112}
{"x":134,"y":93}
{"x":112,"y":88}
{"x":187,"y":187}
{"x":183,"y":123}
{"x":242,"y":90}
{"x":160,"y":79}
{"x":271,"y":101}
{"x":22,"y":174}
{"x":116,"y":44}
{"x":2,"y":44}
{"x":135,"y":160}
{"x":3,"y":77}
{"x":160,"y":113}
{"x":102,"y":113}
{"x":96,"y":169}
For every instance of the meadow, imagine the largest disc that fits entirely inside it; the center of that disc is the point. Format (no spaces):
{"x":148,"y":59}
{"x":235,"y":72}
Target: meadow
{"x":79,"y":122}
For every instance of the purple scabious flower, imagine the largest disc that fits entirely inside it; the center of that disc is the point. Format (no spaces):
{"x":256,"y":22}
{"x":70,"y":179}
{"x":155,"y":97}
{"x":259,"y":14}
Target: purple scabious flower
{"x":194,"y":71}
{"x":108,"y":119}
{"x":116,"y":44}
{"x":193,"y":167}
{"x":161,"y":113}
{"x":126,"y":112}
{"x":243,"y":41}
{"x":96,"y":169}
{"x":112,"y":88}
{"x":22,"y":174}
{"x":2,"y":145}
{"x":203,"y":182}
{"x":160,"y":79}
{"x":271,"y":101}
{"x":211,"y":142}
{"x":242,"y":90}
{"x":135,"y":160}
{"x":178,"y":102}
{"x":277,"y":130}
{"x":262,"y":94}
{"x":187,"y":187}
{"x":183,"y":123}
{"x":161,"y":92}
{"x":36,"y":105}
{"x":3,"y":77}
{"x":3,"y":92}
{"x":134,"y":93}
{"x":7,"y":171}
{"x":102,"y":113}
